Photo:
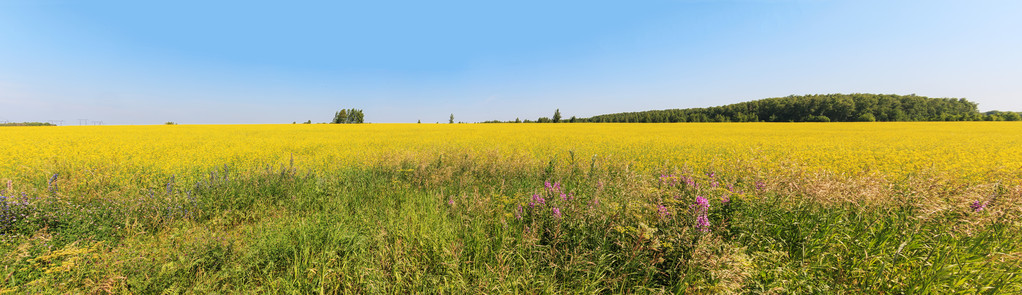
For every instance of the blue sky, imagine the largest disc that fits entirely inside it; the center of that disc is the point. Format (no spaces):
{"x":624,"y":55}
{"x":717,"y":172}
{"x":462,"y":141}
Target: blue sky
{"x":240,"y":62}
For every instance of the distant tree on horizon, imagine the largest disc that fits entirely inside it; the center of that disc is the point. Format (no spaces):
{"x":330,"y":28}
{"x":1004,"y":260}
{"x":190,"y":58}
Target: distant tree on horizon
{"x":349,"y":116}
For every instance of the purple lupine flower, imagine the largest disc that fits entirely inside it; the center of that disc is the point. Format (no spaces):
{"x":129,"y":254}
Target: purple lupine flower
{"x":556,"y":212}
{"x":557,"y":185}
{"x":548,"y":185}
{"x":703,"y":223}
{"x":979,"y":206}
{"x":662,"y":210}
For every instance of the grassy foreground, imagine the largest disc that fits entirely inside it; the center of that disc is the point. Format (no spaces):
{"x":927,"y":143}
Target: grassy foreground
{"x":468,"y":223}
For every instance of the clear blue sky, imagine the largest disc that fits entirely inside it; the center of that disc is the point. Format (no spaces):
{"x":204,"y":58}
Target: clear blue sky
{"x":193,"y":62}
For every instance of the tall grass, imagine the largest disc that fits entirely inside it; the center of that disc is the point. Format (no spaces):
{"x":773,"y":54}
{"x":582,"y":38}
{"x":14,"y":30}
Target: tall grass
{"x":472,"y":224}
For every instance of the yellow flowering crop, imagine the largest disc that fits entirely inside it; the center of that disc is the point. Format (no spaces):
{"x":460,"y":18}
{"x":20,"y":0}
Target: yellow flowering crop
{"x":965,"y":149}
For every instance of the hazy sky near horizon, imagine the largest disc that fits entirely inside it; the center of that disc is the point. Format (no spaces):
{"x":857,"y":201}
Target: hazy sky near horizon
{"x":240,"y":62}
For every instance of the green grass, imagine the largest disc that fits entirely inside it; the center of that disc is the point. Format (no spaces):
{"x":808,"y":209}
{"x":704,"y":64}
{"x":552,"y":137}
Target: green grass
{"x":454,"y":226}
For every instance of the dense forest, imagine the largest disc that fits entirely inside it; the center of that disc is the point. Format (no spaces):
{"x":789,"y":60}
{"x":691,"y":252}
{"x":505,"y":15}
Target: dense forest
{"x":813,"y":108}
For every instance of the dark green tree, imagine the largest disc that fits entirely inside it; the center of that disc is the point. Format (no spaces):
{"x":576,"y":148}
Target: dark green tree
{"x":349,"y":116}
{"x":557,"y":116}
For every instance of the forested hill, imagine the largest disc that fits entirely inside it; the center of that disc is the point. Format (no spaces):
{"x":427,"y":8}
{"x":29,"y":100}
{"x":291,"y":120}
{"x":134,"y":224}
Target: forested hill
{"x":818,"y":108}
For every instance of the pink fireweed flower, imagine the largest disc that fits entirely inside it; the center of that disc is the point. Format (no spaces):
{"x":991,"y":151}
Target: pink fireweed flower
{"x":552,"y":187}
{"x":979,"y":206}
{"x":538,"y":199}
{"x":702,"y":204}
{"x":662,"y":210}
{"x":703,"y":223}
{"x":669,"y":180}
{"x":556,"y":212}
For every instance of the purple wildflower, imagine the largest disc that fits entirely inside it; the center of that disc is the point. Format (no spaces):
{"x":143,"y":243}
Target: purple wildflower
{"x":760,"y":185}
{"x":538,"y":199}
{"x":725,"y":199}
{"x":662,"y":210}
{"x":669,"y":180}
{"x":548,"y":185}
{"x":703,"y":223}
{"x":979,"y":206}
{"x":702,"y":204}
{"x":556,"y":212}
{"x":450,"y":201}
{"x":711,"y":174}
{"x":518,"y":212}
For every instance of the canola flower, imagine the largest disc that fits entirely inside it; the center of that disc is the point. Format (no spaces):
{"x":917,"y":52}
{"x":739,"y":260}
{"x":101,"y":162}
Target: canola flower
{"x":126,"y":154}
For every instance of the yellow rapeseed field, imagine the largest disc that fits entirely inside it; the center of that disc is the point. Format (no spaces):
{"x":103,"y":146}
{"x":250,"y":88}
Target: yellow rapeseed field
{"x":121,"y":153}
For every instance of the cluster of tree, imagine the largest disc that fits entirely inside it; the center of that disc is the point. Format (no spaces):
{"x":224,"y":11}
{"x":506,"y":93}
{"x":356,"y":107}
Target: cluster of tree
{"x":1002,"y":115}
{"x":27,"y":124}
{"x":812,"y":108}
{"x":349,"y":116}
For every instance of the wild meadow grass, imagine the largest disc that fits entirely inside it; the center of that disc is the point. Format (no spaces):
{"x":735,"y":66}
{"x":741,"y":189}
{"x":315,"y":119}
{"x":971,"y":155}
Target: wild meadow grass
{"x":469,"y":223}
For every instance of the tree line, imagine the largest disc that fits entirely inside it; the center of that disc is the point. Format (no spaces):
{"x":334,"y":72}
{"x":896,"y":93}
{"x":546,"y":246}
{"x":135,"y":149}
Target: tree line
{"x":857,"y":107}
{"x":26,"y":124}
